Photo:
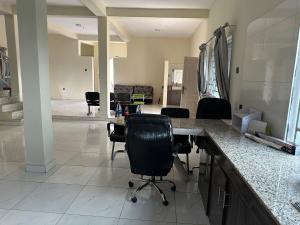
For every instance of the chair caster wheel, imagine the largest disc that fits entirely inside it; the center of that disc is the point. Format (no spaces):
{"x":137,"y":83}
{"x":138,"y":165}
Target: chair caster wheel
{"x":134,"y":199}
{"x":130,"y":184}
{"x":173,"y":188}
{"x":166,"y":203}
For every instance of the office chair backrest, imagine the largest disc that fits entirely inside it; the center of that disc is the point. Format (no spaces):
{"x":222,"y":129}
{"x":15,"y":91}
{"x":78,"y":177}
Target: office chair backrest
{"x":131,"y":108}
{"x":175,"y":112}
{"x":92,"y":96}
{"x":123,"y":97}
{"x":213,"y":108}
{"x":149,"y":144}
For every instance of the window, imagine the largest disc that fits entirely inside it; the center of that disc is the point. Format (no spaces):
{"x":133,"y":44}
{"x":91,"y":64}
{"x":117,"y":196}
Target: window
{"x":212,"y":88}
{"x":177,"y":76}
{"x":293,"y":123}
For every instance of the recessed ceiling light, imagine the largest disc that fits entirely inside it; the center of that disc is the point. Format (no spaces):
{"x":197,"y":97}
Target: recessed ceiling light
{"x":157,"y":30}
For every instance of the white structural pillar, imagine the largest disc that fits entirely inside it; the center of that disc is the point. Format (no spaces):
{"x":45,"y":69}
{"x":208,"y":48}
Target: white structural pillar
{"x":103,"y":45}
{"x":33,"y":38}
{"x":12,"y":53}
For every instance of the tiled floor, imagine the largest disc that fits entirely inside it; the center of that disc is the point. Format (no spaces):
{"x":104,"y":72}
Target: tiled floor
{"x":78,"y":108}
{"x":86,"y":187}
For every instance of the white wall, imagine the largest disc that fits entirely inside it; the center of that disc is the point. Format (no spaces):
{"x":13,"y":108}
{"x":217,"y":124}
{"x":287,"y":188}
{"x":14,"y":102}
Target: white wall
{"x":271,"y":46}
{"x":241,"y":13}
{"x":67,"y":69}
{"x":144,"y":64}
{"x":2,"y":32}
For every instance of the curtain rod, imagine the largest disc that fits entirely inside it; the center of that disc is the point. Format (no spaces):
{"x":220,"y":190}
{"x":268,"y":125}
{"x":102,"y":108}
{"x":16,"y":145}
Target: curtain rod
{"x":213,"y":37}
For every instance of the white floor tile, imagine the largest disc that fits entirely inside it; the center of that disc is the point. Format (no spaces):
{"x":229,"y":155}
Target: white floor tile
{"x":62,"y":157}
{"x":15,"y":217}
{"x":189,"y":209}
{"x":149,"y":207}
{"x":22,"y":175}
{"x":140,"y":222}
{"x":14,"y":191}
{"x":113,"y":177}
{"x":3,"y":212}
{"x":86,"y":220}
{"x":88,"y":159}
{"x":97,"y":201}
{"x":72,"y":175}
{"x":53,"y":198}
{"x":7,"y":168}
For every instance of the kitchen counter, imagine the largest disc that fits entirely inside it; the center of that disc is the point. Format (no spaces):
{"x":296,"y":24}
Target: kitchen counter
{"x":273,"y":176}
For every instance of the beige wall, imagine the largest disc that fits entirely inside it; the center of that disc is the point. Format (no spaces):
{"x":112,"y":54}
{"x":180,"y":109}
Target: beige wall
{"x":144,"y":64}
{"x":2,"y":32}
{"x":240,"y":13}
{"x":67,"y":69}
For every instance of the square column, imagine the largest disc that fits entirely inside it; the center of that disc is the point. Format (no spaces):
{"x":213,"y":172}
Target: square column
{"x":33,"y":39}
{"x":103,"y":45}
{"x":12,"y":53}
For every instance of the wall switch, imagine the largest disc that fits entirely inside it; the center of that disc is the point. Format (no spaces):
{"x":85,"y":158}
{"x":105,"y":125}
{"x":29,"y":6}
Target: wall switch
{"x":237,"y":70}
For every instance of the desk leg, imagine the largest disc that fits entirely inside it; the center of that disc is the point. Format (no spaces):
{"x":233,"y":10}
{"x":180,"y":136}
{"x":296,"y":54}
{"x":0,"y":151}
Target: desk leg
{"x":180,"y":168}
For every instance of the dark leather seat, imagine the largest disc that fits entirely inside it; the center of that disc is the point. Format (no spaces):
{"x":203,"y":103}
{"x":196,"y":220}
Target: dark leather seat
{"x":92,"y":99}
{"x":150,"y":149}
{"x":117,"y":135}
{"x":182,"y":141}
{"x":211,"y":108}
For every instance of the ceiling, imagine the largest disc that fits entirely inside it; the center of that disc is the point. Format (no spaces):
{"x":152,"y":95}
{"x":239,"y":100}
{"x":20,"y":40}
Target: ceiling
{"x":178,"y":4}
{"x":183,"y":4}
{"x":88,"y":25}
{"x":139,"y":27}
{"x":158,"y":27}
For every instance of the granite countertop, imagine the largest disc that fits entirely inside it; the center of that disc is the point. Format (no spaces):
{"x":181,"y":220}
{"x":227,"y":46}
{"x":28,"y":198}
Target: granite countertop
{"x":273,"y":175}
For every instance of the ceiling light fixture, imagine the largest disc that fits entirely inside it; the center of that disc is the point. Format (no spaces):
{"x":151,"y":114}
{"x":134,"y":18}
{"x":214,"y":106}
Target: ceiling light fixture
{"x":157,"y":30}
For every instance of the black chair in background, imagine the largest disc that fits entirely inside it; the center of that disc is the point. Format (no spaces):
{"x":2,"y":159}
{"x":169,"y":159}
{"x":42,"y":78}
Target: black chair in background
{"x":123,"y":98}
{"x":112,"y":101}
{"x":117,"y":135}
{"x":92,"y":99}
{"x":149,"y":145}
{"x":211,"y":108}
{"x":182,"y":141}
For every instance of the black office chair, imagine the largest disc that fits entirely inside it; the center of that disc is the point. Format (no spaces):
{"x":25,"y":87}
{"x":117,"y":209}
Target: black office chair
{"x":112,"y":101}
{"x":183,"y":141}
{"x":211,"y":108}
{"x":149,"y":145}
{"x":117,"y":135}
{"x":92,"y":99}
{"x":123,"y":98}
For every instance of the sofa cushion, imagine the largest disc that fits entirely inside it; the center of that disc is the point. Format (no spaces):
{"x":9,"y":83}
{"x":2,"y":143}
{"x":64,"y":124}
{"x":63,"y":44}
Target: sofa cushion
{"x":146,"y":90}
{"x":123,"y":89}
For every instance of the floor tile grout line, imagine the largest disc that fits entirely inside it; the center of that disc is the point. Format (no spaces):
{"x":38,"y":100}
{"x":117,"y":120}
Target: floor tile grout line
{"x":39,"y":184}
{"x":125,"y":199}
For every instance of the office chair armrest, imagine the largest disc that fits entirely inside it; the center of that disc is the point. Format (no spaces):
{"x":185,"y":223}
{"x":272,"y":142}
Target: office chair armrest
{"x":192,"y":140}
{"x":176,"y":148}
{"x":108,"y":128}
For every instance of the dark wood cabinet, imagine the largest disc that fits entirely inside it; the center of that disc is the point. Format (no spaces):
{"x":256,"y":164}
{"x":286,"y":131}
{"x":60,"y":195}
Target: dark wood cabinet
{"x":229,"y":199}
{"x":218,"y":195}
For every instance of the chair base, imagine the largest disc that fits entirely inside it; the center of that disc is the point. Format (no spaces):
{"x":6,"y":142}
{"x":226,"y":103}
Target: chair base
{"x":152,"y":182}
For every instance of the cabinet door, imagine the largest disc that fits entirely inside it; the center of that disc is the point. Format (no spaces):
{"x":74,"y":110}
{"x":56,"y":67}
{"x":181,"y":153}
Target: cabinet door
{"x":217,"y":195}
{"x":204,"y":177}
{"x":235,"y":211}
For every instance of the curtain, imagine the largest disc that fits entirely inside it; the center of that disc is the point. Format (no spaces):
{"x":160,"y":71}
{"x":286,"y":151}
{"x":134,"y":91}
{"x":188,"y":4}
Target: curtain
{"x":221,"y":61}
{"x":202,"y":70}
